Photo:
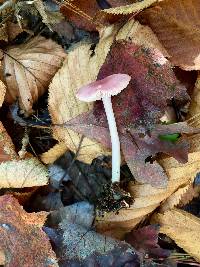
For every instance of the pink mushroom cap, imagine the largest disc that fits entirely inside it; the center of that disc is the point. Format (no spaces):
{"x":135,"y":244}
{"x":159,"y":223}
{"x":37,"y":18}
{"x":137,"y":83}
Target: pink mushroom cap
{"x":111,"y":85}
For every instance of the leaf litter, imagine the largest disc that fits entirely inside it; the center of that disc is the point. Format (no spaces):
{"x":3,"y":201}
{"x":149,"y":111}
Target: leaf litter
{"x":55,"y":150}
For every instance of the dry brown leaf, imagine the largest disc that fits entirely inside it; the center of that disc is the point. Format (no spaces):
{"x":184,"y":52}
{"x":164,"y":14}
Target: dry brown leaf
{"x":173,"y":200}
{"x":2,"y":92}
{"x":13,"y":30}
{"x":22,"y":173}
{"x":79,"y":68}
{"x":192,"y":192}
{"x":49,"y":18}
{"x":29,"y":68}
{"x":183,"y":228}
{"x":7,"y":149}
{"x":81,"y":13}
{"x":128,"y":9}
{"x":176,"y":24}
{"x":21,"y":237}
{"x":53,"y":153}
{"x":194,"y":116}
{"x":24,"y":195}
{"x":141,"y":35}
{"x":3,"y":33}
{"x":148,"y":198}
{"x":194,"y":109}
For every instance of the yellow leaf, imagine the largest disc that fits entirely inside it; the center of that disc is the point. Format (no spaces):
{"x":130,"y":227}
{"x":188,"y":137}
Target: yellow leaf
{"x":128,"y":9}
{"x":183,"y":228}
{"x":22,"y":173}
{"x":80,"y":67}
{"x":2,"y":92}
{"x":53,"y":153}
{"x":29,"y":68}
{"x":176,"y":23}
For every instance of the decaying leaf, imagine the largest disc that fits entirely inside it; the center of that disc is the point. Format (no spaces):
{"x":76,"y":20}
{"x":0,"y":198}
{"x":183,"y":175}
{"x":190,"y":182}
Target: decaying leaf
{"x":21,"y":237}
{"x":175,"y":23}
{"x":128,"y":9}
{"x":29,"y":68}
{"x":151,"y":76}
{"x":80,"y":245}
{"x":3,"y":33}
{"x":22,"y":173}
{"x":79,"y":68}
{"x":145,"y":240}
{"x":7,"y":149}
{"x":53,"y":153}
{"x":183,"y":228}
{"x":13,"y":30}
{"x":81,"y":13}
{"x":48,"y":17}
{"x":148,"y":198}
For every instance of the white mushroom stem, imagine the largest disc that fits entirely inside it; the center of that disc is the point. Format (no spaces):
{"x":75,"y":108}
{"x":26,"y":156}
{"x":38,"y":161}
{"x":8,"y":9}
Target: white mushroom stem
{"x":116,"y":158}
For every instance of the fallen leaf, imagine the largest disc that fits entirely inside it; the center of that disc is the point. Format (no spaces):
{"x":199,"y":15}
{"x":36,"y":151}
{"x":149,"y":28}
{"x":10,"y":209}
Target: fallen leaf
{"x":80,"y":245}
{"x":22,"y":173}
{"x":48,"y":17}
{"x":7,"y":149}
{"x":64,"y":29}
{"x":176,"y":25}
{"x":192,"y":192}
{"x":79,"y":68}
{"x":145,"y":240}
{"x":174,"y":200}
{"x":183,"y":228}
{"x":54,"y":153}
{"x":2,"y":92}
{"x":28,"y":69}
{"x":81,"y":13}
{"x":3,"y":33}
{"x":193,"y":117}
{"x":13,"y":30}
{"x":151,"y":76}
{"x":22,"y":230}
{"x":141,"y":35}
{"x":24,"y":195}
{"x":148,"y":198}
{"x":194,"y":108}
{"x":128,"y":9}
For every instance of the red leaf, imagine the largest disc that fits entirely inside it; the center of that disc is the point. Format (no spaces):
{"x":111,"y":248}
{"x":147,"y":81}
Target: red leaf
{"x":145,"y":240}
{"x":138,"y":110}
{"x":152,"y":86}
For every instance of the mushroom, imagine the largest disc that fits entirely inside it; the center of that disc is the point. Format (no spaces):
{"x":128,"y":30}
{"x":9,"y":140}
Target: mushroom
{"x":104,"y":89}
